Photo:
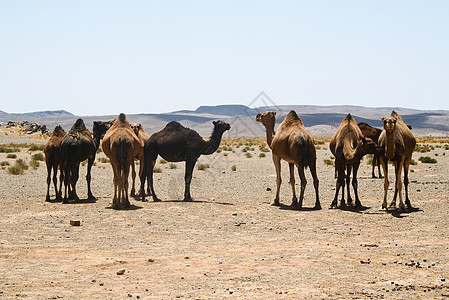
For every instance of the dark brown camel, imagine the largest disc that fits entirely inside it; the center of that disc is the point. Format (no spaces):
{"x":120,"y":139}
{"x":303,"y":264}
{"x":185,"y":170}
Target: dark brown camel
{"x":372,"y":133}
{"x":77,"y":146}
{"x":53,"y":161}
{"x":295,"y":145}
{"x":348,"y":145}
{"x":143,"y":136}
{"x":397,"y":143}
{"x":121,"y":145}
{"x":176,"y":143}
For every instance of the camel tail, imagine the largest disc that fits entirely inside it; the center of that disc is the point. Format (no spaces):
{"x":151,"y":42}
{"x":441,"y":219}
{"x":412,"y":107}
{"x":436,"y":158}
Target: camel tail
{"x":123,"y":154}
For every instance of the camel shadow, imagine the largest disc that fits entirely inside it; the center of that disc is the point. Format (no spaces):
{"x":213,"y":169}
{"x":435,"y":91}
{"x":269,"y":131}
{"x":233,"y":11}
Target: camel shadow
{"x":352,"y":208}
{"x":131,"y":207}
{"x":402,"y":214}
{"x":54,"y":200}
{"x":296,"y":207}
{"x":80,"y":201}
{"x":193,"y":201}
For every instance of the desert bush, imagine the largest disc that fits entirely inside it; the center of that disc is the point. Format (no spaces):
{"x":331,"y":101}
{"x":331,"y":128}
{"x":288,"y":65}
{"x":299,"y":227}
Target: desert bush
{"x":173,"y":166}
{"x":162,"y":161}
{"x":36,"y":148}
{"x":203,"y":167}
{"x":99,"y":150}
{"x":157,"y":170}
{"x":4,"y":149}
{"x":11,"y":155}
{"x":37,"y":157}
{"x":263,"y":148}
{"x":446,"y":147}
{"x":34,"y":164}
{"x":262,"y":155}
{"x":4,"y":163}
{"x":427,"y":160}
{"x":248,"y":155}
{"x":104,"y":160}
{"x":424,"y":148}
{"x":20,"y":163}
{"x":233,"y":168}
{"x":225,"y":154}
{"x":413,"y":162}
{"x":328,"y":162}
{"x":13,"y":170}
{"x":218,"y":150}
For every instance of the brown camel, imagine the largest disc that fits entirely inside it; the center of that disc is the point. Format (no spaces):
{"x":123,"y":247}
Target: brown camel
{"x":77,"y":146}
{"x":121,"y":145}
{"x":348,"y":145}
{"x":176,"y":143}
{"x":53,"y":161}
{"x":143,"y":136}
{"x":295,"y":145}
{"x":397,"y":143}
{"x":372,"y":133}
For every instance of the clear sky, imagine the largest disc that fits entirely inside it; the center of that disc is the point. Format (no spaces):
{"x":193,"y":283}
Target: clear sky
{"x":106,"y":57}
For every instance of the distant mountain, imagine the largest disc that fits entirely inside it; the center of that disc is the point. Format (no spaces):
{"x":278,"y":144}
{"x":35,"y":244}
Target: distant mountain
{"x":319,"y":120}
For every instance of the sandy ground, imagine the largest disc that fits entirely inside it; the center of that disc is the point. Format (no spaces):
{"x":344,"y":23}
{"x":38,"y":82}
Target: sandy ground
{"x":229,"y":243}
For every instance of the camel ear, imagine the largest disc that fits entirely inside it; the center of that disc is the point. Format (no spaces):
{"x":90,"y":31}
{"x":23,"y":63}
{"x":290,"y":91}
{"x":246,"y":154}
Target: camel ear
{"x":383,"y":119}
{"x":275,"y":113}
{"x":214,"y":122}
{"x":363,"y":140}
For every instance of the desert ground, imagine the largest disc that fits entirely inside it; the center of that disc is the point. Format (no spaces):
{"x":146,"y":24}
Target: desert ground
{"x":229,"y":242}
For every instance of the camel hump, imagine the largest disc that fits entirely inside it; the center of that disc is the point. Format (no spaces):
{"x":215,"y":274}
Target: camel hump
{"x":292,"y":116}
{"x":122,"y":117}
{"x":78,"y":126}
{"x":173,"y":125}
{"x":349,"y":117}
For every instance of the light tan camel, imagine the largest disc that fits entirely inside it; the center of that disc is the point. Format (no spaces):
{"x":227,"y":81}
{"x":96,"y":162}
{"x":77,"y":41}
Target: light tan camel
{"x":53,"y":161}
{"x":121,"y":145}
{"x":143,"y":136}
{"x":348,"y":145}
{"x":397,"y":143}
{"x":293,"y":144}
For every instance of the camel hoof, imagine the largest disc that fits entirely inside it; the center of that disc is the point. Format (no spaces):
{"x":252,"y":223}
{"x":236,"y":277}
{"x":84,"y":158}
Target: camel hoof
{"x":317,"y":206}
{"x":275,"y":203}
{"x":188,"y":200}
{"x":156,"y":200}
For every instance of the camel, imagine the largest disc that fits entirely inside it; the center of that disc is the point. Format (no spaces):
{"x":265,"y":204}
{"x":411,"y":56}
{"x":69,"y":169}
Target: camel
{"x":176,"y":143}
{"x":53,"y":161}
{"x":348,"y":145}
{"x":121,"y":145}
{"x":295,"y":145}
{"x":397,"y":143}
{"x":372,"y":133}
{"x":143,"y":136}
{"x":77,"y":146}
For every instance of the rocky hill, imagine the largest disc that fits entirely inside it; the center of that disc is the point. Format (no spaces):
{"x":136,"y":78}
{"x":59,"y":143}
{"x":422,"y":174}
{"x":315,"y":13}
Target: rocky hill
{"x":320,"y":120}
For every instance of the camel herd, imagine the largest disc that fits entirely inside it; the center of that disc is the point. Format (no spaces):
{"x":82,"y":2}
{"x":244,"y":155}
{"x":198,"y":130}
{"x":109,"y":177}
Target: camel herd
{"x":123,"y":143}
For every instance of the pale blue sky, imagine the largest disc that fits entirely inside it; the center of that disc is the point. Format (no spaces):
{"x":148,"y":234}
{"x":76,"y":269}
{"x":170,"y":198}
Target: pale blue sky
{"x":105,"y":57}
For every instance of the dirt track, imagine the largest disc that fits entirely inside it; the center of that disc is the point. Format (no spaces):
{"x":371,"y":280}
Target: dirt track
{"x":229,"y":243}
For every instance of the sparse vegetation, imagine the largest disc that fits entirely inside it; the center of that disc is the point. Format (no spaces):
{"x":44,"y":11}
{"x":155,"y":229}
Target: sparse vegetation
{"x":423,"y":148}
{"x":248,"y":155}
{"x":427,"y":160}
{"x":13,"y":170}
{"x":99,"y":150}
{"x":233,"y":168}
{"x":103,"y":160}
{"x":413,"y":162}
{"x":262,"y":155}
{"x":157,"y":170}
{"x":4,"y":163}
{"x":34,"y":164}
{"x":203,"y":167}
{"x":162,"y":161}
{"x":263,"y":148}
{"x":36,"y":148}
{"x":4,"y":149}
{"x":173,"y":166}
{"x":328,"y":162}
{"x":11,"y":155}
{"x":37,"y":157}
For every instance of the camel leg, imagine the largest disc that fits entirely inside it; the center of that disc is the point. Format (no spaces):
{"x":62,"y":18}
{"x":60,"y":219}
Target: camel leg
{"x":190,"y":164}
{"x":133,"y":176}
{"x":143,"y":175}
{"x":399,"y":167}
{"x":49,"y":167}
{"x":126,"y":184}
{"x":150,"y":177}
{"x":292,"y":183}
{"x":348,"y":183}
{"x":373,"y":167}
{"x":384,"y":162}
{"x":377,"y":160}
{"x":115,"y":200}
{"x":355,"y":185}
{"x":61,"y":179}
{"x":406,"y":167}
{"x":277,"y":166}
{"x":75,"y":177}
{"x":66,"y":183}
{"x":302,"y":177}
{"x":55,"y":180}
{"x":339,"y":183}
{"x":316,"y":183}
{"x":90,"y":162}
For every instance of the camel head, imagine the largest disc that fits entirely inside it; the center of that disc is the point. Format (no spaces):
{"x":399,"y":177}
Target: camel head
{"x":266,"y":117}
{"x":100,"y":128}
{"x":389,"y":123}
{"x":367,"y":145}
{"x":136,"y":127}
{"x":220,"y":126}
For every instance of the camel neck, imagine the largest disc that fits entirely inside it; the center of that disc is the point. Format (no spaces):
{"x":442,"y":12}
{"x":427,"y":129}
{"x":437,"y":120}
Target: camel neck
{"x":270,"y":133}
{"x":213,"y":143}
{"x":390,"y":147}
